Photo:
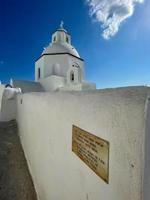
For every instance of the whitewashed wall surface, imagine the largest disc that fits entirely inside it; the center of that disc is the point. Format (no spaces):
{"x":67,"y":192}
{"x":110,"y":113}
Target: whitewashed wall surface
{"x":2,"y":87}
{"x":8,"y":104}
{"x":120,"y":116}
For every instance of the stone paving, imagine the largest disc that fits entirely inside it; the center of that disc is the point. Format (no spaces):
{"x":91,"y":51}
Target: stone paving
{"x":15,"y":179}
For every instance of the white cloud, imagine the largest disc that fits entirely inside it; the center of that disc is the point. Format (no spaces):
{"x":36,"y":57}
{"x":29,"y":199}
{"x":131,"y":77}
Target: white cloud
{"x":111,"y":13}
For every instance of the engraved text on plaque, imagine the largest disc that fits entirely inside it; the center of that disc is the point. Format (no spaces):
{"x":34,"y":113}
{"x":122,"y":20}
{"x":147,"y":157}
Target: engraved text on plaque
{"x":93,"y":150}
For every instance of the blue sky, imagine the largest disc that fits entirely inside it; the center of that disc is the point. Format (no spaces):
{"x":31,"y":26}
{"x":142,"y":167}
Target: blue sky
{"x":26,"y":27}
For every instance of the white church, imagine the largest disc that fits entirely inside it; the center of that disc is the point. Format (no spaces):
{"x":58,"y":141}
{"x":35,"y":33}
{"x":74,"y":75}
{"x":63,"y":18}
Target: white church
{"x":80,"y":143}
{"x":59,"y":67}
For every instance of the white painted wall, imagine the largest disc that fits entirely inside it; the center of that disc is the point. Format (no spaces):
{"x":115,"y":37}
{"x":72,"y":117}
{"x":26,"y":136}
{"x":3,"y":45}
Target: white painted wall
{"x":117,"y":115}
{"x":39,"y":65}
{"x":47,"y":64}
{"x":84,"y":86}
{"x":52,"y":83}
{"x":61,"y":37}
{"x":56,"y":73}
{"x":2,"y":87}
{"x":8,"y":104}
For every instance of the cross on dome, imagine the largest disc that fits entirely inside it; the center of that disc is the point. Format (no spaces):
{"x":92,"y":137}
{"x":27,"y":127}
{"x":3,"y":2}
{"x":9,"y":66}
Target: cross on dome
{"x":62,"y":24}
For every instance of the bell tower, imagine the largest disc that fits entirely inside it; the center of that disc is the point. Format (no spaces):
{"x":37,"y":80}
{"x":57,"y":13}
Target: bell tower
{"x":61,"y":35}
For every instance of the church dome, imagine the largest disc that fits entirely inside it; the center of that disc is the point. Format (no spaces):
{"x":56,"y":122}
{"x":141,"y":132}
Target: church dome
{"x":58,"y":48}
{"x":61,"y":43}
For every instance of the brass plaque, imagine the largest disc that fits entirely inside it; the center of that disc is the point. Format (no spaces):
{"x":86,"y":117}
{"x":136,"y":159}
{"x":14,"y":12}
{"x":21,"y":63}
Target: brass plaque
{"x":93,"y":150}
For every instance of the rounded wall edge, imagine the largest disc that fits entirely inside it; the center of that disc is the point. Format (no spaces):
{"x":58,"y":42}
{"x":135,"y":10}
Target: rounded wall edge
{"x":146,"y":150}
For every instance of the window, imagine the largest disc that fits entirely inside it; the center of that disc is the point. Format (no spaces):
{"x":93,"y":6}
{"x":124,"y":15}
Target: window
{"x":72,"y":76}
{"x":67,"y":39}
{"x":39,"y":73}
{"x":54,"y":38}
